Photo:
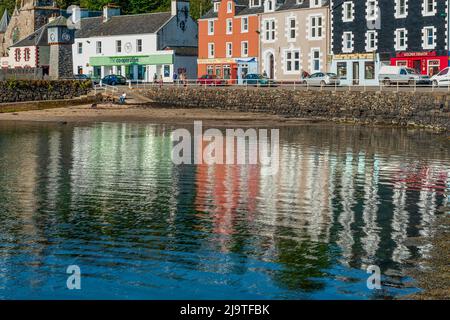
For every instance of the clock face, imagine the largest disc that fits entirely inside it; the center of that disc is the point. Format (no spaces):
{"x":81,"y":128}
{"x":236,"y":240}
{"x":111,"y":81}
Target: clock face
{"x":66,"y":37}
{"x":128,"y":47}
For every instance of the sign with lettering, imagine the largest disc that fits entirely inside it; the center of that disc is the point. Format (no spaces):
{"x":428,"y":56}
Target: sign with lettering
{"x":154,"y":59}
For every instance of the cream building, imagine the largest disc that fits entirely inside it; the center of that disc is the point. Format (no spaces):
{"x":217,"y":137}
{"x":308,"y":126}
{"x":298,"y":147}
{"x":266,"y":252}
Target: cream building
{"x":294,"y":38}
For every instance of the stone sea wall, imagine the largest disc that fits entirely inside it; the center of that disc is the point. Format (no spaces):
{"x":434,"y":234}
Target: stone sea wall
{"x":37,"y":90}
{"x":425,"y":109}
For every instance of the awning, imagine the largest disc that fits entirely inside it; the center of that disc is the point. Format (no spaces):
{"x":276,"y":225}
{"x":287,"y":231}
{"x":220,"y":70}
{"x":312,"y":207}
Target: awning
{"x":245,"y":60}
{"x":153,"y":59}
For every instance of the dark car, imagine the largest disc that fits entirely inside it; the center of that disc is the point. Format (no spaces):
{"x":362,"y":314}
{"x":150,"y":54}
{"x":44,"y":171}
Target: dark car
{"x":81,"y":77}
{"x":259,"y":80}
{"x":210,"y":80}
{"x":114,"y":79}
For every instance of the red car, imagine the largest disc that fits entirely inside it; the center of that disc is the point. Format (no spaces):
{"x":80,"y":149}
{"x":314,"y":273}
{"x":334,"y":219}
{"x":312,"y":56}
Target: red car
{"x":210,"y":80}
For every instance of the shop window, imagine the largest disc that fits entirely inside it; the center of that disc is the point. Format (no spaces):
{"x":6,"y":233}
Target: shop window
{"x":80,"y":70}
{"x":218,"y":71}
{"x":226,"y":72}
{"x":342,"y":70}
{"x":402,"y":63}
{"x":210,"y":70}
{"x":433,"y":67}
{"x":369,"y":70}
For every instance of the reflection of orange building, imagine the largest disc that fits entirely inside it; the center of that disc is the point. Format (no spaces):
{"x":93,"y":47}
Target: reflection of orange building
{"x":228,"y":39}
{"x":224,"y":190}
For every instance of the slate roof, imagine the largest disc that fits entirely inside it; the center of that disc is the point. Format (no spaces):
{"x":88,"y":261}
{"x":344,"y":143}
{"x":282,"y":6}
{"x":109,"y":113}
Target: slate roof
{"x":37,"y":38}
{"x":4,"y":21}
{"x":242,"y":7}
{"x":123,"y":25}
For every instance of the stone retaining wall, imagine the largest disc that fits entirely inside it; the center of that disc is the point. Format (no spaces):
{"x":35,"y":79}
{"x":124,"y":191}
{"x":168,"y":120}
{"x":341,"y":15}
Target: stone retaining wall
{"x":37,"y":90}
{"x":403,"y":108}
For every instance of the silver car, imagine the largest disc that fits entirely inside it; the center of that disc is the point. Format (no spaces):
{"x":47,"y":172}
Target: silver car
{"x":322,"y":79}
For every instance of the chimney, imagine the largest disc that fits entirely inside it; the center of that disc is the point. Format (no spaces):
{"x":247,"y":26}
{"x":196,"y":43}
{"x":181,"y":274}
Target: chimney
{"x":174,"y":7}
{"x":110,"y":11}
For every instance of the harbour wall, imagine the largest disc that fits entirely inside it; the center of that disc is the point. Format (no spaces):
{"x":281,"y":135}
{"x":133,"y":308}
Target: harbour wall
{"x":424,"y":109}
{"x":40,"y":90}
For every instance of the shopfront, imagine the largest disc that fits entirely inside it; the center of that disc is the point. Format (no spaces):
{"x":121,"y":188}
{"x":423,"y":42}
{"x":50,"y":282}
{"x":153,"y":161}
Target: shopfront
{"x":226,"y":68}
{"x":356,"y":69}
{"x":144,"y":68}
{"x":427,"y":62}
{"x":246,"y":66}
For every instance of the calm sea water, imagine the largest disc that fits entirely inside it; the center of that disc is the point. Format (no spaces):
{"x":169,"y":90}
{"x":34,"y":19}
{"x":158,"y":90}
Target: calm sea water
{"x":106,"y":197}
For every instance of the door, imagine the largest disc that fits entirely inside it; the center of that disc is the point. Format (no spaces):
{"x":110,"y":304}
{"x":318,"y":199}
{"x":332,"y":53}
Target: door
{"x":271,"y":67}
{"x":417,"y":65}
{"x":355,"y":74}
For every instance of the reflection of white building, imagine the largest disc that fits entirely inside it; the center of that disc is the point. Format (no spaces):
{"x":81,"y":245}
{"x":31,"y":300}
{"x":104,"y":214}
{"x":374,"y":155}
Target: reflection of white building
{"x":137,"y":46}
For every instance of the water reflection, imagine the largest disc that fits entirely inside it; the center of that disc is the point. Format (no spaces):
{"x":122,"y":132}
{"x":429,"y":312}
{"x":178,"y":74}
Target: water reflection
{"x":108,"y":198}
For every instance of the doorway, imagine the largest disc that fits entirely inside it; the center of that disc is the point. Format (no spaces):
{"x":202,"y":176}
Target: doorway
{"x":417,"y":65}
{"x":355,"y":75}
{"x":271,"y":67}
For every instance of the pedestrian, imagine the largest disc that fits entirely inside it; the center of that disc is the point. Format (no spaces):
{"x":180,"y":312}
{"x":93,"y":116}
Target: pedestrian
{"x":155,"y":78}
{"x":122,"y":98}
{"x":185,"y":78}
{"x":160,"y":80}
{"x":264,"y":74}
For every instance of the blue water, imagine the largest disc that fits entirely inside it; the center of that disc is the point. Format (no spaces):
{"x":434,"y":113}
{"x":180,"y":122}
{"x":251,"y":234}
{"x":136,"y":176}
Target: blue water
{"x":107,"y":198}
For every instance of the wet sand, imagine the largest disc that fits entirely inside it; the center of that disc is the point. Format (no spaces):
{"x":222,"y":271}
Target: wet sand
{"x":115,"y":113}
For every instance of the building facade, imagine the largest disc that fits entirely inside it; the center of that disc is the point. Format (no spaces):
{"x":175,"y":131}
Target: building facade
{"x":158,"y":45}
{"x":294,"y":38}
{"x":369,"y":33}
{"x":229,"y":39}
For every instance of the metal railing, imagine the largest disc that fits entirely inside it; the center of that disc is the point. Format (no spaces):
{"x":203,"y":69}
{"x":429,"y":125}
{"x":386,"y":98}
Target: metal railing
{"x":303,"y":84}
{"x":105,"y":88}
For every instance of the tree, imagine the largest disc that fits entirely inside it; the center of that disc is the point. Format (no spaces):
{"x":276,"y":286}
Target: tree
{"x":7,"y":4}
{"x":199,"y":7}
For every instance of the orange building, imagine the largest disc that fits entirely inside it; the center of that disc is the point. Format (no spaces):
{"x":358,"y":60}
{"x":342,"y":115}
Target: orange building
{"x":228,"y":43}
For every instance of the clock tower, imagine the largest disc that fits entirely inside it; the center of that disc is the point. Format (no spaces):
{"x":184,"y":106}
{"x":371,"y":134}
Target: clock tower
{"x":60,"y":39}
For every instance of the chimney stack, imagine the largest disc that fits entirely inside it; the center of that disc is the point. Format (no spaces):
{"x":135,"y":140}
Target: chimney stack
{"x":110,"y":11}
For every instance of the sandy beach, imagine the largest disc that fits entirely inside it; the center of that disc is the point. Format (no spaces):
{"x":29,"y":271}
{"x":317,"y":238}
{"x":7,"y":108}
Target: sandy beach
{"x":115,"y":113}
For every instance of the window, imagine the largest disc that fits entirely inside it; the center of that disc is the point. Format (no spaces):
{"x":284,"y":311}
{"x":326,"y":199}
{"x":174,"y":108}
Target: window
{"x":315,"y":3}
{"x":244,"y":48}
{"x":210,"y":27}
{"x":229,"y":49}
{"x":27,"y":54}
{"x":316,"y":27}
{"x":244,"y":24}
{"x":315,"y":60}
{"x":401,"y":39}
{"x":210,"y":50}
{"x":118,"y":46}
{"x":229,"y":7}
{"x":255,"y":3}
{"x":347,"y":42}
{"x":369,"y":70}
{"x":401,"y":8}
{"x":226,"y":72}
{"x":98,"y":47}
{"x":342,"y":70}
{"x":209,"y":70}
{"x":216,"y":6}
{"x":429,"y":7}
{"x":371,"y":10}
{"x":218,"y":71}
{"x":371,"y":40}
{"x":292,"y":60}
{"x":139,"y":45}
{"x":428,"y":37}
{"x":79,"y":70}
{"x":80,"y":47}
{"x":291,"y":28}
{"x":348,"y":13}
{"x":270,"y":5}
{"x":229,"y":26}
{"x":269,"y":30}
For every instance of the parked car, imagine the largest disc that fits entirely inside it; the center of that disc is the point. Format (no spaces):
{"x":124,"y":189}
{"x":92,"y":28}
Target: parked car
{"x":401,"y":75}
{"x":322,"y":79}
{"x":114,"y":79}
{"x":259,"y":80}
{"x":442,"y":78}
{"x":81,"y":77}
{"x":210,"y":80}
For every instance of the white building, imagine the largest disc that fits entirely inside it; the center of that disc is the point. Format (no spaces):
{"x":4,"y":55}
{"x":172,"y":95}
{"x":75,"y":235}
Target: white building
{"x":138,"y":46}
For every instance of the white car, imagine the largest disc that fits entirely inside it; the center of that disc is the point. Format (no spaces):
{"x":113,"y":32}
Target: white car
{"x":395,"y":74}
{"x":442,"y":78}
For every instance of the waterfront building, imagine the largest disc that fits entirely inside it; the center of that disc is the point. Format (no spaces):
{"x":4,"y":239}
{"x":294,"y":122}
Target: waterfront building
{"x":139,"y":47}
{"x":369,"y":33}
{"x":4,"y":22}
{"x":229,"y":39}
{"x":294,"y":38}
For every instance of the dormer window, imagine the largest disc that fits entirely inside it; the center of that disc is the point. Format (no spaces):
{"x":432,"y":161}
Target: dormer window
{"x":270,"y":5}
{"x":299,"y":1}
{"x":216,"y":6}
{"x":315,"y":3}
{"x":255,"y":3}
